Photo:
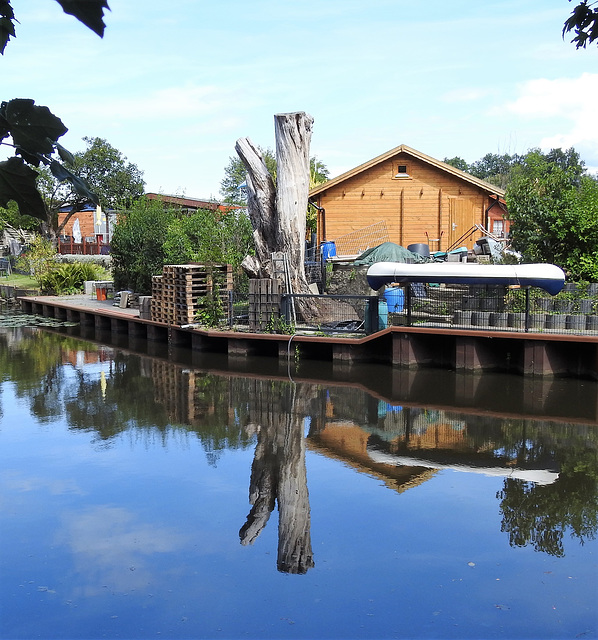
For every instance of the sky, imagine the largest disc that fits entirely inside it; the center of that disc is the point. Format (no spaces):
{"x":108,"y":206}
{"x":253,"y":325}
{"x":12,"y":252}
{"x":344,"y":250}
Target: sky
{"x":173,"y":85}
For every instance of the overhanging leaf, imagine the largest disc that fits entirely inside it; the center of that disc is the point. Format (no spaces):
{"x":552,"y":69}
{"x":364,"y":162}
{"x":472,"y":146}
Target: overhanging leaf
{"x":4,"y":128}
{"x":33,"y":128}
{"x":59,"y":172}
{"x":17,"y":182}
{"x":65,"y":154}
{"x":80,"y":185}
{"x":89,"y":12}
{"x":31,"y":158}
{"x":7,"y":27}
{"x":82,"y":188}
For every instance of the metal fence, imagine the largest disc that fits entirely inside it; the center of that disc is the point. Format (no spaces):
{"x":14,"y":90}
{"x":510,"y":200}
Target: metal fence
{"x":574,"y":310}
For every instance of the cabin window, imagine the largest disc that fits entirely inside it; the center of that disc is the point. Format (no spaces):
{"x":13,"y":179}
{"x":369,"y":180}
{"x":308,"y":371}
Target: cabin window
{"x":402,"y":171}
{"x":498,"y":228}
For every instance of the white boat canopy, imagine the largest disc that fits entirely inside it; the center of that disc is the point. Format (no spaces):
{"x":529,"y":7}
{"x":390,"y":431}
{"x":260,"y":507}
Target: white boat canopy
{"x":545,"y":276}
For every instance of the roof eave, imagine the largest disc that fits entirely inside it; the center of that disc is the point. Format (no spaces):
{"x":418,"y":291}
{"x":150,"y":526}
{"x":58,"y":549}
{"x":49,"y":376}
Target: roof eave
{"x":482,"y":184}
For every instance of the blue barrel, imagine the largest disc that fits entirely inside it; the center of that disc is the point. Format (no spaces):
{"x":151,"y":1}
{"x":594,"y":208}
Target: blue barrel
{"x":328,"y":249}
{"x":395,"y":299}
{"x":382,"y":316}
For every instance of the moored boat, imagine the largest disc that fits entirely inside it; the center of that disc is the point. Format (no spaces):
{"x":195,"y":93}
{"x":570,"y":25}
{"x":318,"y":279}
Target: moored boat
{"x":545,"y":276}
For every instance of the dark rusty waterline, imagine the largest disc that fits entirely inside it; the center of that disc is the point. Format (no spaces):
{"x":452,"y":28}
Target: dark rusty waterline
{"x":462,"y":350}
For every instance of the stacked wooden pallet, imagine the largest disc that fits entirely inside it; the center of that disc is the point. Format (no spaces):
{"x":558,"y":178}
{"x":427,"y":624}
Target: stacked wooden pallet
{"x":182,"y":290}
{"x":174,"y":389}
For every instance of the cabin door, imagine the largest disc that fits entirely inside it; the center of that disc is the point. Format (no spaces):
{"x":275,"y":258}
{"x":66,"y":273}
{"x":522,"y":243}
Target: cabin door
{"x":461,"y":220}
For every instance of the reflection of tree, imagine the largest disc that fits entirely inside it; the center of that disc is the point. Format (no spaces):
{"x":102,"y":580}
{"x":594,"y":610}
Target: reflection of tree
{"x":540,"y":515}
{"x":533,"y":514}
{"x":33,"y":359}
{"x":126,"y":403}
{"x":278,"y":473}
{"x":146,"y":396}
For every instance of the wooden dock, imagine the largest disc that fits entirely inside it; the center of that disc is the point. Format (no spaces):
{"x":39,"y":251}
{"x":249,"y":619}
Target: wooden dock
{"x":462,"y":350}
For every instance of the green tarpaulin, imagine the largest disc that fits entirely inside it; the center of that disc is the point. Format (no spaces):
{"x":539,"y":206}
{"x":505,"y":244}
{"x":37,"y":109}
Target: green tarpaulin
{"x":389,"y":252}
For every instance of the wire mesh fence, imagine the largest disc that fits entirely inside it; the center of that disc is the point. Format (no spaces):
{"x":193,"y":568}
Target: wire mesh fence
{"x":359,"y":241}
{"x":497,"y":308}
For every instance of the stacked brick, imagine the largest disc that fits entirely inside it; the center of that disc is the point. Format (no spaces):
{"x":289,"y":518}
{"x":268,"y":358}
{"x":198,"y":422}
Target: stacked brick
{"x":180,"y":292}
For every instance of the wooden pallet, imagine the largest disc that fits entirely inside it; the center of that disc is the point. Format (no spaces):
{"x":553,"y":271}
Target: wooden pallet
{"x":177,"y":294}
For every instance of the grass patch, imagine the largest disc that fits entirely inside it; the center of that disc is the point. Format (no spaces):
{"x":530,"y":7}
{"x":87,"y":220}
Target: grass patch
{"x":19,"y":280}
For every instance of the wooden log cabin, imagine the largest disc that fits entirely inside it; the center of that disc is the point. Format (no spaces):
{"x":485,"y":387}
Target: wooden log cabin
{"x":407,"y":197}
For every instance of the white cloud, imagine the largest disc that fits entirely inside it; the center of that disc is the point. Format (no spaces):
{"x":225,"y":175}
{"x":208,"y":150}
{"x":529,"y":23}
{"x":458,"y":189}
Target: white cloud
{"x":573,"y":101}
{"x":564,"y":97}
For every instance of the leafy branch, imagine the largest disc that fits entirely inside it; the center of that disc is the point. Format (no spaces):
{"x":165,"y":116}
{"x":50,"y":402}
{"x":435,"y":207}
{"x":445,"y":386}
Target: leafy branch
{"x":89,"y":12}
{"x":584,"y":23}
{"x":35,"y":130}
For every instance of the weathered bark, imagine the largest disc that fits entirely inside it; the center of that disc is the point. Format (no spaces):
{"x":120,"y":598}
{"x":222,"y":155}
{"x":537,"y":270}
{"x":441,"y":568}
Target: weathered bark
{"x":261,"y":204}
{"x":278,"y":214}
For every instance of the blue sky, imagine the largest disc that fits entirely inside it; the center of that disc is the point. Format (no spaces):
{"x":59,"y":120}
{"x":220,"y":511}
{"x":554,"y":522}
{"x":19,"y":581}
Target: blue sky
{"x":174,"y":84}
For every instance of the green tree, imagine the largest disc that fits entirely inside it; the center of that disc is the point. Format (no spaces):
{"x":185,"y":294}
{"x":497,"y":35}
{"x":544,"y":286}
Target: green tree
{"x":149,"y":236}
{"x":210,"y":237}
{"x":116,"y":182}
{"x":553,"y":208}
{"x":137,"y":245}
{"x":235,"y":176}
{"x":458,"y":163}
{"x":10,"y":217}
{"x":495,"y":168}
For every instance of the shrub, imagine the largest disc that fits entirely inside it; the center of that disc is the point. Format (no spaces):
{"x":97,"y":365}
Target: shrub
{"x":38,"y":259}
{"x":69,"y":277}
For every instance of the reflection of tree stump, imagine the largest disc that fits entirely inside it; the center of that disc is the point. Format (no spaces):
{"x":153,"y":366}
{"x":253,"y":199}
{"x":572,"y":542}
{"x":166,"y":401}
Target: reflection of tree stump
{"x":278,"y":474}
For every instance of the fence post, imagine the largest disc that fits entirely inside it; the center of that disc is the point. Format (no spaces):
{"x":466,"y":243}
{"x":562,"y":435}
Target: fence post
{"x":231,"y":315}
{"x":408,"y":303}
{"x":526,"y":309}
{"x":372,"y":315}
{"x":285,"y":307}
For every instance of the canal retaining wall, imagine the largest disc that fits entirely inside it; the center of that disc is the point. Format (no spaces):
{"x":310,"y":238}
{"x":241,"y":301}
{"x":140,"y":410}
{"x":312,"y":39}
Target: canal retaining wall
{"x":464,"y":350}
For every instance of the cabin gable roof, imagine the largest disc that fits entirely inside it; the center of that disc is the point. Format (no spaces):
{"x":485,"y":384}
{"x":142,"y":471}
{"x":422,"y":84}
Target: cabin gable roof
{"x":404,"y":149}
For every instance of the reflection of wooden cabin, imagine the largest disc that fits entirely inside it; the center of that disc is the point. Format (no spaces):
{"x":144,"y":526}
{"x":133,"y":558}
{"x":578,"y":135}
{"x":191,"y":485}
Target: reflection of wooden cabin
{"x":414,"y":197}
{"x":347,"y":442}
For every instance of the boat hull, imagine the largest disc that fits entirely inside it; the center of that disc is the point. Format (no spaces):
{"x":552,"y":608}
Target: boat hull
{"x":545,"y":276}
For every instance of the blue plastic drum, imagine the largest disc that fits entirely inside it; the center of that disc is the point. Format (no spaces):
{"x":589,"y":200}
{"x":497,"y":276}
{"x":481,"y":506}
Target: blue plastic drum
{"x":328,"y":249}
{"x":395,"y":299}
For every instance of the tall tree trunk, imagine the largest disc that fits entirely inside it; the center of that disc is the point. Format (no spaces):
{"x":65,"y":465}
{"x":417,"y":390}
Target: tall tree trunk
{"x":278,"y":214}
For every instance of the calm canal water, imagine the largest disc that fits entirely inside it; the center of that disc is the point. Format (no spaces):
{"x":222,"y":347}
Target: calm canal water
{"x":147,"y":493}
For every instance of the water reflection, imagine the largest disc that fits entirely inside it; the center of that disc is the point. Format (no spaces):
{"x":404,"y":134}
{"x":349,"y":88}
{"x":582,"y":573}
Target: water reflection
{"x":403,"y":432}
{"x":278,"y":472}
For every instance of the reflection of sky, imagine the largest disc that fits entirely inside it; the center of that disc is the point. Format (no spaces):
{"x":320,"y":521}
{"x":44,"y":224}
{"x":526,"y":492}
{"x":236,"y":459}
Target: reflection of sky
{"x":111,"y":546}
{"x":141,"y":540}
